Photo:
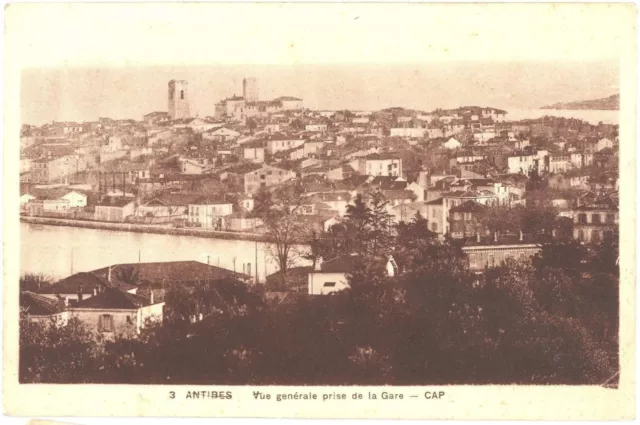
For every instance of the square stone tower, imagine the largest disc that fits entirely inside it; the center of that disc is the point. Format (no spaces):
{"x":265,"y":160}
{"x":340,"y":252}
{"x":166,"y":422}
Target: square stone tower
{"x":178,"y":99}
{"x":250,"y":89}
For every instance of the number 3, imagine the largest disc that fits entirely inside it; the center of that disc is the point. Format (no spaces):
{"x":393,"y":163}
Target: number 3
{"x":172,"y":394}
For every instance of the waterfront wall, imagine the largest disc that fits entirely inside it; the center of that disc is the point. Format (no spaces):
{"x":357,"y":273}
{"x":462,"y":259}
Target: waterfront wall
{"x":146,"y":228}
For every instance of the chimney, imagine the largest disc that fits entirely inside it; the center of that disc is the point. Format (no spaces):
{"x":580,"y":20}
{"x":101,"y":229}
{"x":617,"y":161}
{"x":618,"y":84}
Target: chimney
{"x":109,"y":274}
{"x":495,"y":236}
{"x":95,"y":291}
{"x":478,"y":237}
{"x":521,"y":236}
{"x":151,"y":297}
{"x":318,"y":264}
{"x":80,"y":293}
{"x":66,"y":301}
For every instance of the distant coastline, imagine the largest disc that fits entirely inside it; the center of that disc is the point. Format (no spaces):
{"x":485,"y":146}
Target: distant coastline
{"x":611,"y":103}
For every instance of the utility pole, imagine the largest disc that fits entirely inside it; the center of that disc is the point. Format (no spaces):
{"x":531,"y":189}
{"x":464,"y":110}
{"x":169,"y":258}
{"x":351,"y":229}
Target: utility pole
{"x":257,"y":262}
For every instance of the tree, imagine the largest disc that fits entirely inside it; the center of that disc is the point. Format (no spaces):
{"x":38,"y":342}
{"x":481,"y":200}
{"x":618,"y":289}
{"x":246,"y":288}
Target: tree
{"x":34,"y":282}
{"x":380,"y":238}
{"x":57,"y":352}
{"x":412,"y":237}
{"x":128,"y":274}
{"x":355,"y":227}
{"x":279,"y":212}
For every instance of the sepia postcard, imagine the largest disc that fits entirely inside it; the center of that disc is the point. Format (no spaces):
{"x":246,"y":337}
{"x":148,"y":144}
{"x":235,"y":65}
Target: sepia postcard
{"x":320,"y":210}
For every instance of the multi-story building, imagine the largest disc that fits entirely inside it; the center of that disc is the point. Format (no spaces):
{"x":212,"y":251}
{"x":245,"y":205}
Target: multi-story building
{"x":595,"y":221}
{"x":383,"y":165}
{"x":265,"y":176}
{"x":434,"y":216}
{"x":281,"y":142}
{"x":49,"y":170}
{"x":581,"y":159}
{"x":466,"y":219}
{"x":253,"y":151}
{"x":492,"y":255}
{"x":208,"y":213}
{"x":525,"y":163}
{"x":559,"y":163}
{"x":155,"y":118}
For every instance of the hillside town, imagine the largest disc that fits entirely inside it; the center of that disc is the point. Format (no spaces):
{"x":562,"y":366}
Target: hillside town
{"x":374,"y":196}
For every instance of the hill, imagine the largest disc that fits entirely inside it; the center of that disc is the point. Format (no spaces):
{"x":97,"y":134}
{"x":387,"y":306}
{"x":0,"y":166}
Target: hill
{"x":611,"y":103}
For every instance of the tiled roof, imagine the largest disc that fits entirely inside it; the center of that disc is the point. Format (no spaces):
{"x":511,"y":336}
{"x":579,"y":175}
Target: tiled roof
{"x":330,"y":197}
{"x":112,"y":298}
{"x":296,"y":276}
{"x":398,"y":194}
{"x":38,"y":305}
{"x":85,"y":282}
{"x":437,"y":201}
{"x":115,"y":202}
{"x":174,"y":199}
{"x":469,"y":206}
{"x":243,"y":168}
{"x":346,"y":263}
{"x":176,"y":272}
{"x":285,"y":98}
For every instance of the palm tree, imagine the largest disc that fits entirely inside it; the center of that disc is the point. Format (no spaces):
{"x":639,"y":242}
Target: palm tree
{"x":128,"y":275}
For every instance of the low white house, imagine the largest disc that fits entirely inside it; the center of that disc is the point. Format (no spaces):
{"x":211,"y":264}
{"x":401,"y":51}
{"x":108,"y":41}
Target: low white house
{"x":331,"y":276}
{"x":75,"y":199}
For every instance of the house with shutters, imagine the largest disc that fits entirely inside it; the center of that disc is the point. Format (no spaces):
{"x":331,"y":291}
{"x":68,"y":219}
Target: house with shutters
{"x":112,"y":312}
{"x":209,"y":212}
{"x":594,"y":221}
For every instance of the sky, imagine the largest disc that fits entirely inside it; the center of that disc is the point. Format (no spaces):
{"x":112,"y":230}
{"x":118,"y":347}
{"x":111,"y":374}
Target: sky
{"x":84,"y":94}
{"x":79,"y":62}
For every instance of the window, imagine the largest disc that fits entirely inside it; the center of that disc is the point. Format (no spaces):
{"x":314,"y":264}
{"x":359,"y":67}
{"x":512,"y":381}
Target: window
{"x":182,"y":94}
{"x":329,"y":284}
{"x":262,"y":176}
{"x":581,"y":235}
{"x":105,"y":323}
{"x":582,"y":218}
{"x":434,"y":227}
{"x":129,"y":320}
{"x":595,"y":236}
{"x":611,"y":218}
{"x":457,"y":216}
{"x":522,"y":255}
{"x":491,"y":260}
{"x":467,"y":216}
{"x":595,"y":218}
